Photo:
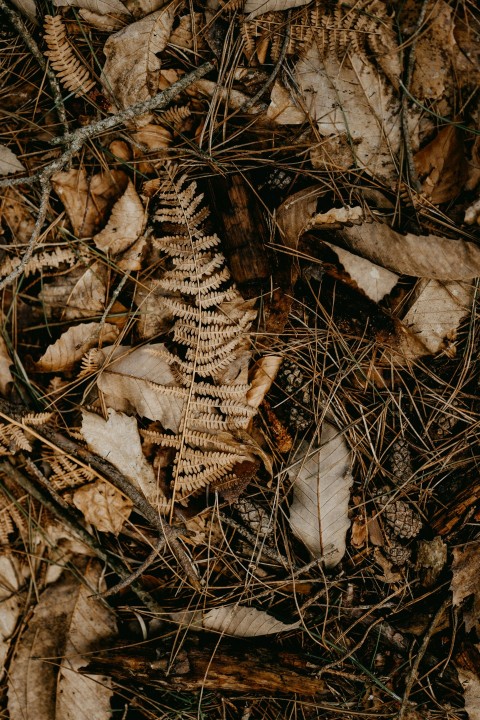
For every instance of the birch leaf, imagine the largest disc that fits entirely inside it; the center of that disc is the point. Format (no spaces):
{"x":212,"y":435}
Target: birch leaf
{"x":9,"y":163}
{"x":253,"y":8}
{"x":101,"y":7}
{"x":68,"y":623}
{"x":132,"y":381}
{"x":103,"y":506}
{"x":428,"y":256}
{"x":118,"y":441}
{"x":437,"y":311}
{"x":233,"y":620}
{"x":351,"y":99}
{"x":131,"y":70}
{"x":73,"y":344}
{"x":125,"y":225}
{"x":321,"y":489}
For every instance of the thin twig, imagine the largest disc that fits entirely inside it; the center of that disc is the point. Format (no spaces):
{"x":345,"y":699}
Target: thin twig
{"x":17,"y":23}
{"x":106,"y":470}
{"x":412,"y":675}
{"x":254,"y":540}
{"x":66,"y":517}
{"x":130,"y":579}
{"x":75,"y":140}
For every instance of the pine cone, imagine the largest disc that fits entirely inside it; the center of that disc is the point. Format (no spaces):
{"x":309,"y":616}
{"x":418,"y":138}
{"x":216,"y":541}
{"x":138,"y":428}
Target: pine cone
{"x":400,"y":461}
{"x":398,"y":554}
{"x":446,"y":419}
{"x":293,"y":382}
{"x":254,"y":516}
{"x":400,"y":517}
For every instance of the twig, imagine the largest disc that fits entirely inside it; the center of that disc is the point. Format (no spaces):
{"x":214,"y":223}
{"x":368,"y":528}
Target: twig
{"x":42,"y":213}
{"x":412,"y":675}
{"x":65,"y":515}
{"x":107,"y":471}
{"x":79,"y":137}
{"x":17,"y":23}
{"x":253,"y":540}
{"x":115,"y":295}
{"x":130,"y":579}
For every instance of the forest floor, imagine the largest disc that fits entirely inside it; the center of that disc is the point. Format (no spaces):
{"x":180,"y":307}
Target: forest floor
{"x":239,"y":375}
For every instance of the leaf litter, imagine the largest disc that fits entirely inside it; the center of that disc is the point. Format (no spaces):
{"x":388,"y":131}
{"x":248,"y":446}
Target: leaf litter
{"x":231,"y":433}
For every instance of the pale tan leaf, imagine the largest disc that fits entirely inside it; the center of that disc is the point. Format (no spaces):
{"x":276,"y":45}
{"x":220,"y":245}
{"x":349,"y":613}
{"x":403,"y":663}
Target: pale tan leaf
{"x":341,"y":216}
{"x":68,"y":624}
{"x":88,"y":200}
{"x":9,"y":163}
{"x":467,"y":664}
{"x":352,"y":99}
{"x":131,"y":70}
{"x":6,"y":376}
{"x":80,"y":293}
{"x":283,"y":109}
{"x":253,"y":8}
{"x":321,"y":490}
{"x":11,"y":603}
{"x":297,"y":214}
{"x":103,"y":506}
{"x":118,"y":441}
{"x":374,"y":280}
{"x":235,"y":620}
{"x":101,"y":7}
{"x":140,"y":8}
{"x":437,"y":311}
{"x":263,"y":374}
{"x":234,"y":99}
{"x":464,"y":583}
{"x":106,"y":23}
{"x":428,"y":256}
{"x":17,"y":215}
{"x":73,"y":344}
{"x":125,"y":225}
{"x":472,"y":213}
{"x":132,"y":380}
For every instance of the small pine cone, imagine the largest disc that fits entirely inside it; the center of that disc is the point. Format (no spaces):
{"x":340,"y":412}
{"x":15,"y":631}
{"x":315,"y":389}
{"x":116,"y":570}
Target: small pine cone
{"x":254,"y":516}
{"x":446,"y":420}
{"x":278,"y":180}
{"x":400,"y":517}
{"x":397,"y":553}
{"x":290,"y":377}
{"x":400,"y":461}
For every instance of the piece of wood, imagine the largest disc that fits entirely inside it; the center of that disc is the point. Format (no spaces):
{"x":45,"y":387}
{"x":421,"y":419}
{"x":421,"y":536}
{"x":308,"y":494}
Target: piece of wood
{"x":228,"y":667}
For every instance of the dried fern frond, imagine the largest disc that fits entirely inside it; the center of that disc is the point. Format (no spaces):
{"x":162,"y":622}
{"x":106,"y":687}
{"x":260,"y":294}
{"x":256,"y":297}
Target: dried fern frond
{"x":175,"y":115}
{"x":210,"y":335}
{"x":53,"y":259}
{"x":68,"y":67}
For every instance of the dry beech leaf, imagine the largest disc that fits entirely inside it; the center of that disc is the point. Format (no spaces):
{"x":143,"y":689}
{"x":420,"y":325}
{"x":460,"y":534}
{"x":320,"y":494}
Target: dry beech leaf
{"x":467,"y":662}
{"x":464,"y":583}
{"x":6,"y":377}
{"x":88,"y":200}
{"x":428,"y":256}
{"x":234,"y":99}
{"x":350,"y":98}
{"x":79,"y":294}
{"x":252,"y":8}
{"x":233,"y":620}
{"x":118,"y":441}
{"x":374,"y":280}
{"x":141,"y":8}
{"x":437,"y":311}
{"x":73,"y":344}
{"x":472,"y":213}
{"x":9,"y":163}
{"x":441,"y":166}
{"x":125,"y":225}
{"x":11,"y":604}
{"x":131,"y":70}
{"x":321,"y":482}
{"x":132,"y":380}
{"x":17,"y":216}
{"x":100,"y":7}
{"x":262,"y":376}
{"x":297,"y":214}
{"x":27,"y":7}
{"x":103,"y":506}
{"x":68,"y":624}
{"x":105,"y":23}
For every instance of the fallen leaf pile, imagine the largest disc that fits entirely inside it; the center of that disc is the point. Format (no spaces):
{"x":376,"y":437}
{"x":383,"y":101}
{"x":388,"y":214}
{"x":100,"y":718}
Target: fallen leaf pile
{"x":239,"y":359}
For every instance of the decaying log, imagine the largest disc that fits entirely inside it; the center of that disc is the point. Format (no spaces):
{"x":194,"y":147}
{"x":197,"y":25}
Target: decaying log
{"x":224,"y":668}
